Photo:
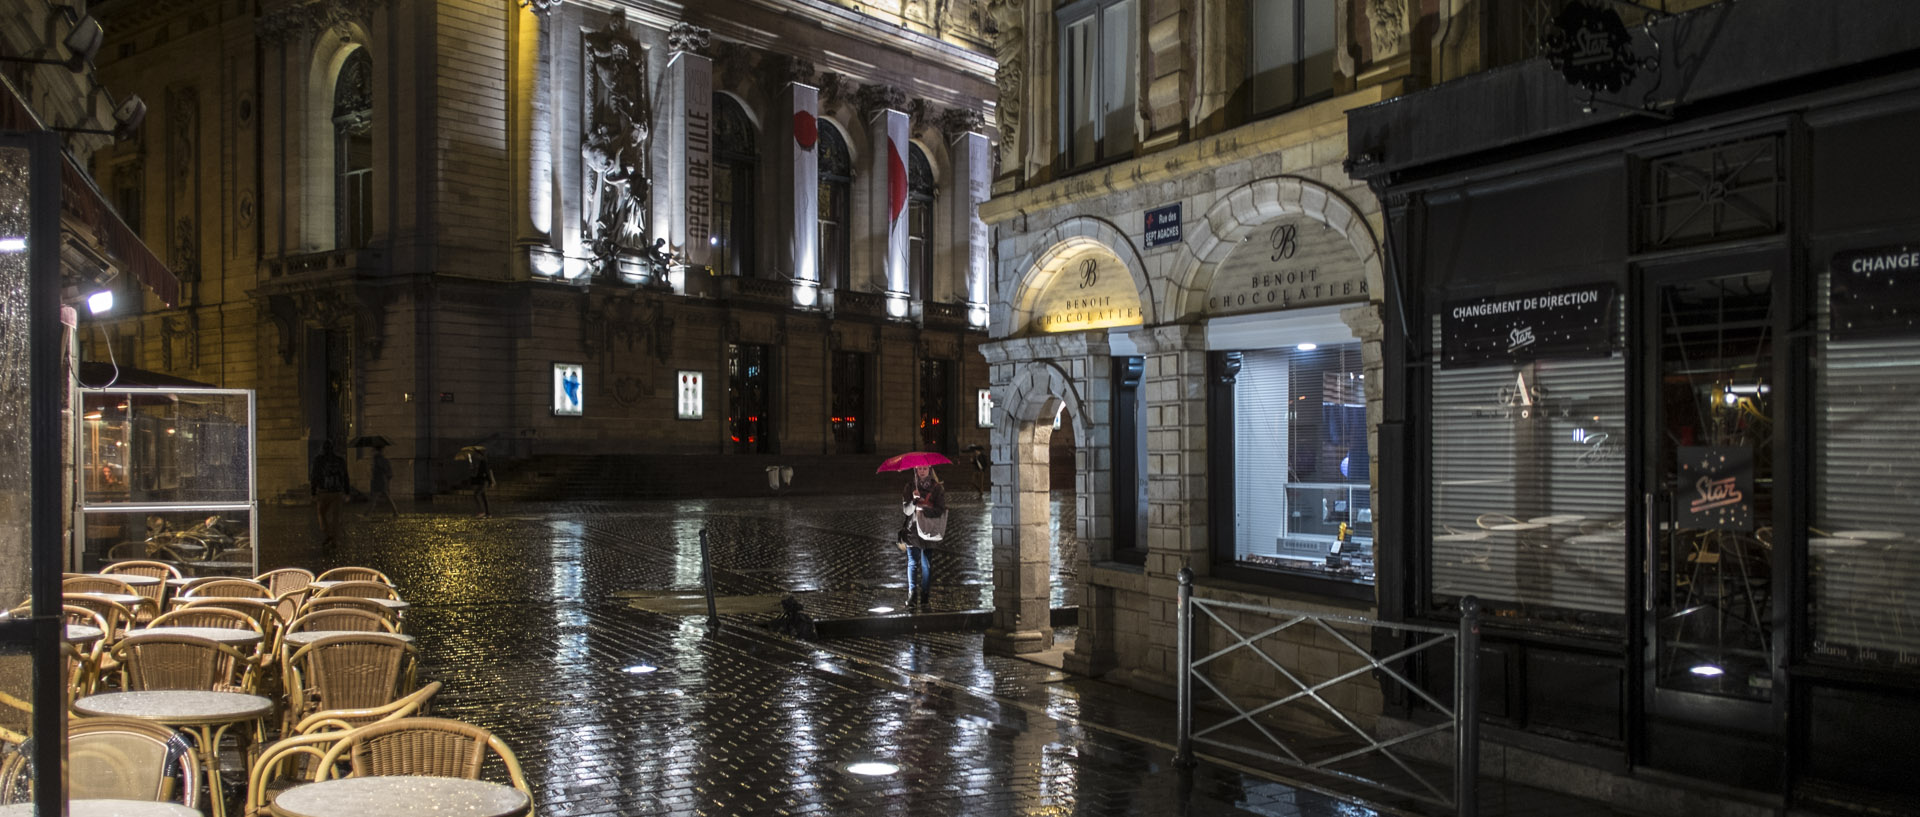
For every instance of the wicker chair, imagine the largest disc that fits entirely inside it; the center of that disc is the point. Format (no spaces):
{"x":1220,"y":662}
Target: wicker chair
{"x":358,"y":589}
{"x":173,"y":661}
{"x":347,"y":672}
{"x":351,"y":603}
{"x":343,"y":619}
{"x":85,"y":661}
{"x":228,"y":589}
{"x":295,"y":759}
{"x":107,"y":585}
{"x":118,"y":617}
{"x":285,"y":579}
{"x":207,"y":615}
{"x":353,"y":574}
{"x":126,"y":759}
{"x":155,"y":593}
{"x":423,"y":746}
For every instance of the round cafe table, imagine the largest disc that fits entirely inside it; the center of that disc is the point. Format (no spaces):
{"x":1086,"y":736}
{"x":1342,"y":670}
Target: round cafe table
{"x":231,"y":636}
{"x":401,"y":796}
{"x":205,"y":715}
{"x":83,"y":634}
{"x":130,"y":579}
{"x":109,"y":808}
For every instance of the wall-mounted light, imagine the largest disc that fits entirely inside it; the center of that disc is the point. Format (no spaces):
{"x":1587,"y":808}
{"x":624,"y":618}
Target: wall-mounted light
{"x":99,"y":302}
{"x":13,"y":243}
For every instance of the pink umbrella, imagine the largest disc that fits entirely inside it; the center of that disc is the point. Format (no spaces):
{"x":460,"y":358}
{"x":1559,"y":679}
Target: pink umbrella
{"x":912,"y":460}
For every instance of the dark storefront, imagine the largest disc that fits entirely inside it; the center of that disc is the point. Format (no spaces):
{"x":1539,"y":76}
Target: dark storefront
{"x":1653,"y":381}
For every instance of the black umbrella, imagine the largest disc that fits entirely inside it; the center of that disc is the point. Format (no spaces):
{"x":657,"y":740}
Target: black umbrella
{"x":370,"y":440}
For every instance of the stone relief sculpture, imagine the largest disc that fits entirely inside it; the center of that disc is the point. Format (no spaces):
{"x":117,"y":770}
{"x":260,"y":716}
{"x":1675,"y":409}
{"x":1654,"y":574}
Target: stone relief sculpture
{"x":619,"y":122}
{"x":1008,"y":29}
{"x":1389,"y":24}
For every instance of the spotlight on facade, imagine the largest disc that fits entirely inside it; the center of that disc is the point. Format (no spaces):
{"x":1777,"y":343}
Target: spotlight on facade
{"x":13,"y":243}
{"x":1307,"y":347}
{"x":1707,"y":671}
{"x":896,"y":304}
{"x":99,"y":302}
{"x":806,"y":293}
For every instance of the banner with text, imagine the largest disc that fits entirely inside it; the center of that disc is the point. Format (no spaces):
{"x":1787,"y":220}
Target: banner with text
{"x":1564,"y":322}
{"x":1876,"y":292}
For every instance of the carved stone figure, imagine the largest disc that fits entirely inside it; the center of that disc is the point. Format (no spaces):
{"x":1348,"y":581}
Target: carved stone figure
{"x":1389,"y":23}
{"x":1007,"y":25}
{"x":689,"y":38}
{"x":616,"y":190}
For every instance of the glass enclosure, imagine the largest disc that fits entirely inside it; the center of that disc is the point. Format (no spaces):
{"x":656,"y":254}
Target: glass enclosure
{"x":167,"y":474}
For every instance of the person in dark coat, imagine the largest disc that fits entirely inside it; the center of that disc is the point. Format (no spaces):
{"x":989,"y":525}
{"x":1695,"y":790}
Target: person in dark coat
{"x":482,"y":476}
{"x":924,"y":501}
{"x":329,"y":484}
{"x":382,"y":481}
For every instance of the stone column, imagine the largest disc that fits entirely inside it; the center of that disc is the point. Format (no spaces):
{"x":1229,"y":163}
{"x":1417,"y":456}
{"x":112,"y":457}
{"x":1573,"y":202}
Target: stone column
{"x":1022,"y":617}
{"x":1176,"y":387}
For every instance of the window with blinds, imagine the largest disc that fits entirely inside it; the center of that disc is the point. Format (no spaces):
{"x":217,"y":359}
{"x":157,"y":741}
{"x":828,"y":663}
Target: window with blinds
{"x":1301,"y":481}
{"x":1864,"y":545}
{"x":1529,"y":489}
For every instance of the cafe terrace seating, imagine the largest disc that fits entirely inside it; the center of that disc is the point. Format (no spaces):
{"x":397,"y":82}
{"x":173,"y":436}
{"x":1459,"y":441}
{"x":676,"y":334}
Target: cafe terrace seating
{"x":423,"y":746}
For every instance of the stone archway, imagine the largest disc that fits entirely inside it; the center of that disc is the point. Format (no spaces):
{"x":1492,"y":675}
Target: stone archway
{"x":1034,"y":377}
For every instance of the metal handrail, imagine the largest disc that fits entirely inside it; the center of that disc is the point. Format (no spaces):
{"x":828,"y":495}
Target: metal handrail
{"x":1462,"y":716}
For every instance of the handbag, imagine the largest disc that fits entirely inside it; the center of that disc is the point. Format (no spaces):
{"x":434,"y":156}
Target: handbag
{"x":931,"y":528}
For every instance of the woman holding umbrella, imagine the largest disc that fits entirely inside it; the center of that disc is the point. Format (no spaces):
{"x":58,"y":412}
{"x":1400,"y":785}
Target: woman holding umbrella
{"x":924,"y":501}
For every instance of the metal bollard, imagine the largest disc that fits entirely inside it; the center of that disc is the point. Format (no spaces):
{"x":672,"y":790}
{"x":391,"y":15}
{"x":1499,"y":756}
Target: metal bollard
{"x":706,"y":579}
{"x":1466,"y":690}
{"x":1183,"y":624}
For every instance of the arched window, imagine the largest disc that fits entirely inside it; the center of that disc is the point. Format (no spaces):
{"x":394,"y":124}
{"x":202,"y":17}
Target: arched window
{"x":920,"y":193}
{"x":736,"y":160}
{"x":353,"y":151}
{"x":836,"y":211}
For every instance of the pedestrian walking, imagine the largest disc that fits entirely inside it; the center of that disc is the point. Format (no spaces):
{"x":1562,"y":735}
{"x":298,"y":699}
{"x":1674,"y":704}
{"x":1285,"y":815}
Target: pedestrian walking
{"x":482,"y":477}
{"x":382,"y":480}
{"x":329,"y":484}
{"x":925,"y":506}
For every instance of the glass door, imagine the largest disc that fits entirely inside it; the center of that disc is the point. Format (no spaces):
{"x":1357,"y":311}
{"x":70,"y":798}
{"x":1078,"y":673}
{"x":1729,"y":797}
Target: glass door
{"x":1711,"y":397}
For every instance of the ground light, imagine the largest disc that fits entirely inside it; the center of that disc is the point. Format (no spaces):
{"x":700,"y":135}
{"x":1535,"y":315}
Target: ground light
{"x":641,"y":669}
{"x":872,"y":768}
{"x":1307,"y":347}
{"x":1707,"y":671}
{"x":879,"y":609}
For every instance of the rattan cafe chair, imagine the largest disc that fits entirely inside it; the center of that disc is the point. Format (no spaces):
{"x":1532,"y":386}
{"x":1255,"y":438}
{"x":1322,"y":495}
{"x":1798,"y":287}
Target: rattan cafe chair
{"x":353,"y":574}
{"x":228,"y":588}
{"x":342,"y":619}
{"x":424,"y":746}
{"x":352,"y":603}
{"x":358,"y":589}
{"x":185,"y":662}
{"x":127,"y":759}
{"x":284,"y":579}
{"x":295,"y":759}
{"x":346,"y":671}
{"x":155,"y":593}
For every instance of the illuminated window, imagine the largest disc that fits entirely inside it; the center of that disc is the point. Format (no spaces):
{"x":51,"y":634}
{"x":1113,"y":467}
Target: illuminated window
{"x":692,"y":398}
{"x":735,"y":160}
{"x":920,"y":193}
{"x":983,"y":411}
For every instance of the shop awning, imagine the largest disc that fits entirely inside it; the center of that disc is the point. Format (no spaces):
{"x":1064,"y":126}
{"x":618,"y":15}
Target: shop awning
{"x":97,"y":375}
{"x":84,"y":203}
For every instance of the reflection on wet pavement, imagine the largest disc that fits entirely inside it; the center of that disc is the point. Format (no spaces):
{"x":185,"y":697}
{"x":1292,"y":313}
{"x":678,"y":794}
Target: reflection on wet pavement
{"x":529,"y":619}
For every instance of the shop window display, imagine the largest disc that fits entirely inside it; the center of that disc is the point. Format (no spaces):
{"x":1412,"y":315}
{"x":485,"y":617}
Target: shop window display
{"x":1302,"y":502}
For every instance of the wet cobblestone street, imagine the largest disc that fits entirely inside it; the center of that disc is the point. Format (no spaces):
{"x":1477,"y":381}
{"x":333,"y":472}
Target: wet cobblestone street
{"x":542,"y":620}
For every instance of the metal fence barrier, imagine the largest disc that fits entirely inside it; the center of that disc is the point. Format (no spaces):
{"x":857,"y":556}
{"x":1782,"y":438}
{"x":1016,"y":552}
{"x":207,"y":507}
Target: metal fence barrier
{"x":1461,"y":715}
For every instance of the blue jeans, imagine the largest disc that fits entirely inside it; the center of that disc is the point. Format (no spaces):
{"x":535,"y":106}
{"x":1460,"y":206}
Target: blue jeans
{"x":919,"y":571}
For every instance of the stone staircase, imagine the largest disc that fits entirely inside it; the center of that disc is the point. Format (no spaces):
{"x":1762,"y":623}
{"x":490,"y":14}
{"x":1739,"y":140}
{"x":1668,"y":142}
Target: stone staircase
{"x":685,"y":476}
